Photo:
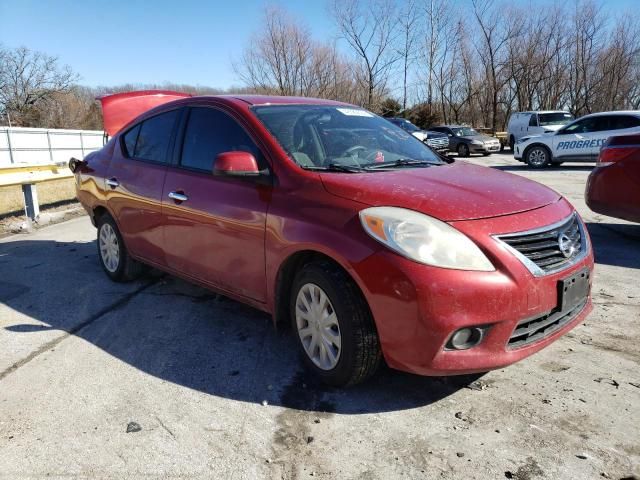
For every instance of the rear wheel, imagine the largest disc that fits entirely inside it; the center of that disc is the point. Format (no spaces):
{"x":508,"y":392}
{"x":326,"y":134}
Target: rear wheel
{"x":463,"y":150}
{"x":113,"y":254}
{"x":336,"y":333}
{"x":512,"y":142}
{"x":537,"y":156}
{"x":486,"y":154}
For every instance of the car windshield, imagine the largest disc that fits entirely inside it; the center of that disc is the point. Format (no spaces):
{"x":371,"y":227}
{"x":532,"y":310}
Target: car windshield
{"x":465,"y":132}
{"x":560,"y":118}
{"x":326,"y":137}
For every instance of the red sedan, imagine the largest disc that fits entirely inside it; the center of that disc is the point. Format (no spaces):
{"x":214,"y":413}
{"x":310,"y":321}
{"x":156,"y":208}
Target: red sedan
{"x":334,"y":220}
{"x":613,"y":187}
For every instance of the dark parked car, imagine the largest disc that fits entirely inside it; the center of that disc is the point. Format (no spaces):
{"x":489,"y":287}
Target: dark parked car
{"x":466,"y":140}
{"x":328,"y":217}
{"x":613,"y":187}
{"x":437,"y":141}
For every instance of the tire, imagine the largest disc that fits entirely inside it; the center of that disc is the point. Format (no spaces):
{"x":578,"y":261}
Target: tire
{"x":512,"y":142}
{"x":537,"y":156}
{"x":113,"y":254}
{"x":486,"y":154}
{"x":347,"y":319}
{"x":463,"y":150}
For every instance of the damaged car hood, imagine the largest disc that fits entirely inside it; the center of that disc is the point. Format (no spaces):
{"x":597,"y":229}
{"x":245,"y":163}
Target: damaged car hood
{"x":458,"y":191}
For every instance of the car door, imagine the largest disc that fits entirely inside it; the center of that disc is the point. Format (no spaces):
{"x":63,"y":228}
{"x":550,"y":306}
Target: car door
{"x":215,"y":231}
{"x":134,"y":183}
{"x":532,"y":127}
{"x":581,"y":140}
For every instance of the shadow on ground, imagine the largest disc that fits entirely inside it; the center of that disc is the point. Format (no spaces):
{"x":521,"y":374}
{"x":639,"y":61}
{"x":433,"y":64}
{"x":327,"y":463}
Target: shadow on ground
{"x":184,"y":334}
{"x":616,"y":244}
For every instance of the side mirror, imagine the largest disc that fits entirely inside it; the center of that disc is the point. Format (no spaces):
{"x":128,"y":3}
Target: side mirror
{"x":236,"y":164}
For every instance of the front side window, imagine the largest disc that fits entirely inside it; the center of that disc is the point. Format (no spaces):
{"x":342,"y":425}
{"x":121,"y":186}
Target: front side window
{"x":533,"y":120}
{"x":210,"y":132}
{"x":586,"y":125}
{"x":150,"y":139}
{"x":319,"y":136}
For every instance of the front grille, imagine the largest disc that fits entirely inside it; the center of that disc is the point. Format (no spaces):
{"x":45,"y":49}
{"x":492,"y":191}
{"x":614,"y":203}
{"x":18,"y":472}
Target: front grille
{"x":438,"y":143}
{"x":533,"y":330}
{"x":551,"y":248}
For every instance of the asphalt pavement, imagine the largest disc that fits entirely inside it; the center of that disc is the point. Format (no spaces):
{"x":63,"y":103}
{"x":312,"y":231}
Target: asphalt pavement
{"x":162,"y":379}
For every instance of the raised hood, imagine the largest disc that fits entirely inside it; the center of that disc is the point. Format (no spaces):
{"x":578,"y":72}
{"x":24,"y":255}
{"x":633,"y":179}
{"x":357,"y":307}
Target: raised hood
{"x":458,"y":191}
{"x":120,"y":108}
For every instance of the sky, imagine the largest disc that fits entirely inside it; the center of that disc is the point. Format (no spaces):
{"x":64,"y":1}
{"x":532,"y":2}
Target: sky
{"x":131,"y":41}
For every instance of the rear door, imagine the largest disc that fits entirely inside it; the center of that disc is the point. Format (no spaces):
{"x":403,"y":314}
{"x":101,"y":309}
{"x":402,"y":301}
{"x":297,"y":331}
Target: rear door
{"x":134,"y":183}
{"x":216,"y":234}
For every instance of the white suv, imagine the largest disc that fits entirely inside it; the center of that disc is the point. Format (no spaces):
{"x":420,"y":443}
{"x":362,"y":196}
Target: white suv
{"x":579,"y":141}
{"x":522,"y":124}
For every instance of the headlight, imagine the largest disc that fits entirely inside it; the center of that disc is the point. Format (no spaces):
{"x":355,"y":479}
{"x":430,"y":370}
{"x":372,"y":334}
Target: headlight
{"x":423,"y":239}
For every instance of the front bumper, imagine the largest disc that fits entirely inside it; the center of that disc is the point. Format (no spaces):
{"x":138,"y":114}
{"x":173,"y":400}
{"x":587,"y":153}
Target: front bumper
{"x":417,"y":308}
{"x":492,"y":148}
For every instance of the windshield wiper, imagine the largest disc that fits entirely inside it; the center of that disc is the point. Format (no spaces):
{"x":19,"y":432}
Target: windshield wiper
{"x":334,"y":167}
{"x":401,"y":162}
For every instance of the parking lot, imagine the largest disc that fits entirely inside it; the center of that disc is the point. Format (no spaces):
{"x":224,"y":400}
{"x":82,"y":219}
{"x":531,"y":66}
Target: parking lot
{"x":162,"y":379}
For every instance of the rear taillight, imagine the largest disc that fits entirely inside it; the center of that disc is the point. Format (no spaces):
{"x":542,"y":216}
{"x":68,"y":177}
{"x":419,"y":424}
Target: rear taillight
{"x":619,"y":148}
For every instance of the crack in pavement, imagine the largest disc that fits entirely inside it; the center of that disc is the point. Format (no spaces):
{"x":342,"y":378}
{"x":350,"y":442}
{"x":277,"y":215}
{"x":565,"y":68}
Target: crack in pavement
{"x":52,"y":343}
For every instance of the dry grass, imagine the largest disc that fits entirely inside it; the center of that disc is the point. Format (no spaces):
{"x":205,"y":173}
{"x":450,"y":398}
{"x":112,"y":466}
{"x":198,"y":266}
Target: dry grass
{"x":48,"y":193}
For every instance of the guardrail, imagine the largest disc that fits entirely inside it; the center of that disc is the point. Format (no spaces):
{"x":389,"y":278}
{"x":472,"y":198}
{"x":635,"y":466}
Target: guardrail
{"x":28,"y":176}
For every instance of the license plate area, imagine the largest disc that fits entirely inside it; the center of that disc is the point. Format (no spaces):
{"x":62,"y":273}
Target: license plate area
{"x":573,"y":290}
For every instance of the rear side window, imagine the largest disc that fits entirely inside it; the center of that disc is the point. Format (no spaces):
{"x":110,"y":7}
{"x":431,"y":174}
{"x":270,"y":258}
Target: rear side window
{"x":210,"y":132}
{"x":620,"y":122}
{"x":130,"y":139}
{"x":152,"y":139}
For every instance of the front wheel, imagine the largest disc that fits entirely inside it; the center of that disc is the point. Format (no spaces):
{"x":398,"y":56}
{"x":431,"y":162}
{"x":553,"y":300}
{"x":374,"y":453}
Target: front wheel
{"x":537,"y":156}
{"x":336,"y":333}
{"x":463,"y":150}
{"x":113,"y":254}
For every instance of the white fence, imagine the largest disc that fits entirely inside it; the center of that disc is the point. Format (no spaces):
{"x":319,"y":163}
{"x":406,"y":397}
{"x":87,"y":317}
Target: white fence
{"x":36,"y":146}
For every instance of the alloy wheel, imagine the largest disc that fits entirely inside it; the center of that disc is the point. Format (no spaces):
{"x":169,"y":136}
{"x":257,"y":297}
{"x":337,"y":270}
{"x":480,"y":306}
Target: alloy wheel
{"x":537,"y":157}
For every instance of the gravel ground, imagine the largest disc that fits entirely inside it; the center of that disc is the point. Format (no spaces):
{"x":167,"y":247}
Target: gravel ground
{"x":161,"y":379}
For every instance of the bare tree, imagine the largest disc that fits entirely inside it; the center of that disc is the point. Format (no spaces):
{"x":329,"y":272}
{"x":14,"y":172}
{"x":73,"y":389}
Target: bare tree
{"x":370,"y":30}
{"x":495,"y":32}
{"x":409,"y":34}
{"x":29,"y":79}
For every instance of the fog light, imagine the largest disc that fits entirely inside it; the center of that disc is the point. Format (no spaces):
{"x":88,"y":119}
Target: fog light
{"x":466,"y":338}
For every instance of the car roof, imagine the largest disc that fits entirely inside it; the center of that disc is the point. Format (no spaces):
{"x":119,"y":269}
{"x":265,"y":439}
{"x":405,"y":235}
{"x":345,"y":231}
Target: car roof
{"x":541,"y":111}
{"x":277,"y":100}
{"x":635,"y":113}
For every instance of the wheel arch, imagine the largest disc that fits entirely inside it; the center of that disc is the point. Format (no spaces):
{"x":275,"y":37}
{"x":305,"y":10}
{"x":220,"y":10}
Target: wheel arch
{"x":286,"y":274}
{"x":538,"y":144}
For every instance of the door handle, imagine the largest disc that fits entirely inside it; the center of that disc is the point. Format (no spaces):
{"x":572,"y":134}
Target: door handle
{"x":113,"y":183}
{"x":178,"y":196}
